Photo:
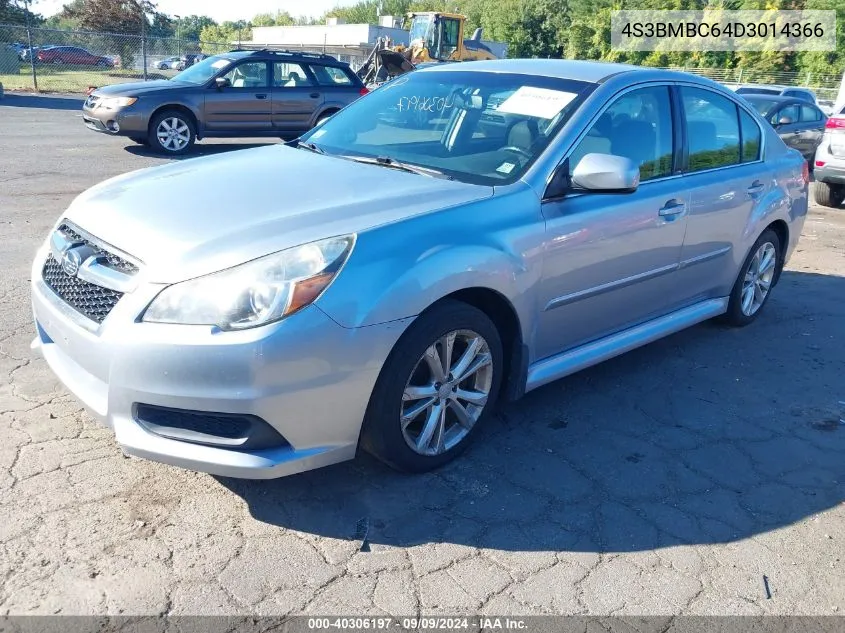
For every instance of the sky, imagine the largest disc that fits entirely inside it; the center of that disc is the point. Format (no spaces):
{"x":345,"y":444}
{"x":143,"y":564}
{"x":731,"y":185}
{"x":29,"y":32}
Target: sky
{"x":220,"y":10}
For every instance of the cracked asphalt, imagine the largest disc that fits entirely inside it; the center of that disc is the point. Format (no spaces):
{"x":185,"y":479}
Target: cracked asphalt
{"x":667,"y":481}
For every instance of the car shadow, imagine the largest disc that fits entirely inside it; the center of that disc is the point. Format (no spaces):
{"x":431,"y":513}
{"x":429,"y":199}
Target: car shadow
{"x":199,"y":149}
{"x":44,"y":102}
{"x":711,"y":435}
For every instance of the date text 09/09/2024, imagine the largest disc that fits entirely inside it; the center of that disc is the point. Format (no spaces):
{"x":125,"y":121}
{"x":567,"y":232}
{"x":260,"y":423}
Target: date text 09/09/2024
{"x":417,"y":623}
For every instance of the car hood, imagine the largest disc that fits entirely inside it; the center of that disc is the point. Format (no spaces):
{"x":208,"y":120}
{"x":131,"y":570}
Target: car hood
{"x":202,"y":215}
{"x":136,"y":88}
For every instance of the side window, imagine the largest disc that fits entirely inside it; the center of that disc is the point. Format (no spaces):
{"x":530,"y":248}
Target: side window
{"x":790,"y":113}
{"x":330,"y":76}
{"x":638,"y":125}
{"x":712,"y":129}
{"x":751,"y":137}
{"x":248,"y":75}
{"x":287,"y":75}
{"x":809,"y":114}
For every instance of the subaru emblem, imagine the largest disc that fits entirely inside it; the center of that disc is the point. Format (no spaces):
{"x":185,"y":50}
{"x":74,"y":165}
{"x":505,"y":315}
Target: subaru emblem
{"x":71,"y":261}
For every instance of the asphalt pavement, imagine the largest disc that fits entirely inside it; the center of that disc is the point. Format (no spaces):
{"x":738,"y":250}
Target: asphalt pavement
{"x":671,"y":480}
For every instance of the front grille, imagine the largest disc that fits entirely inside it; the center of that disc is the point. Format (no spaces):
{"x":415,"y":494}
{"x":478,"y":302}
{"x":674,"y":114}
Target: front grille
{"x":95,"y":302}
{"x":112,"y":260}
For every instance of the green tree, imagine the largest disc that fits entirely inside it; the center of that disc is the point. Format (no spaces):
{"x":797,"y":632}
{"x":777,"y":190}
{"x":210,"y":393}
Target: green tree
{"x":15,"y":12}
{"x":281,"y":18}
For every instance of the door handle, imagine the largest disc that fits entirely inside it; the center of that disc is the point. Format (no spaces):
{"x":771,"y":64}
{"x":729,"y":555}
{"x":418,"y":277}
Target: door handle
{"x":314,"y":95}
{"x":755,"y":188}
{"x":260,"y":96}
{"x":672,"y":209}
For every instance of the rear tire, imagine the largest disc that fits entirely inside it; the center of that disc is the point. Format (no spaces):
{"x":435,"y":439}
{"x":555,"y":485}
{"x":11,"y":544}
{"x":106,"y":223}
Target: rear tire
{"x":180,"y":141}
{"x":755,"y":281}
{"x":450,"y":403}
{"x":828,"y":195}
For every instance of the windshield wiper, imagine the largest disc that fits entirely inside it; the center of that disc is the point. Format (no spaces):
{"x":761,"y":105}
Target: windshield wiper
{"x":307,"y":145}
{"x":392,"y":163}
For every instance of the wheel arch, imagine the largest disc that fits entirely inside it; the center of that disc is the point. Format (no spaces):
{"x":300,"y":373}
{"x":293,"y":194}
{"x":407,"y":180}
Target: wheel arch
{"x":178,"y":107}
{"x":781,"y":229}
{"x":504,"y":316}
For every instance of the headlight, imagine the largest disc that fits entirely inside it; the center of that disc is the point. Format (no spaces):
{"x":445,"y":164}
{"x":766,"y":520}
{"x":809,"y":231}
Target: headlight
{"x":258,"y":292}
{"x":110,"y":103}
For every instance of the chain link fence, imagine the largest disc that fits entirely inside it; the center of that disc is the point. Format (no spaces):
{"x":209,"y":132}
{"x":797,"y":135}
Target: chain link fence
{"x":825,"y":86}
{"x":50,"y":60}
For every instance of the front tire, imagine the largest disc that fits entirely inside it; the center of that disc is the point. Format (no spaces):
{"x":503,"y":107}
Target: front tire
{"x":172,"y":133}
{"x":437,"y":386}
{"x":828,"y":195}
{"x":755,"y":281}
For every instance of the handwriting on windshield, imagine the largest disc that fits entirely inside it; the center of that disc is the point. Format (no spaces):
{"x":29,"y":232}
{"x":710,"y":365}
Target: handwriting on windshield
{"x":425,"y":104}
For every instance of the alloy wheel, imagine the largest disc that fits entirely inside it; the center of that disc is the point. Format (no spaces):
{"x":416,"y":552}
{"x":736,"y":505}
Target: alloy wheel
{"x":758,"y":278}
{"x":173,"y":134}
{"x":446,"y":392}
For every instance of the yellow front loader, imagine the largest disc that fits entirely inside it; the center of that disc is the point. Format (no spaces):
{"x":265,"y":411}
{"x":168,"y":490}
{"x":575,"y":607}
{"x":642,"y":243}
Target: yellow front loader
{"x":434,"y":37}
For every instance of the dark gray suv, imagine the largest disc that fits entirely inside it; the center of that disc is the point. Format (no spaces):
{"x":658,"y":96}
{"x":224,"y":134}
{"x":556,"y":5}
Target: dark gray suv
{"x":241,"y":93}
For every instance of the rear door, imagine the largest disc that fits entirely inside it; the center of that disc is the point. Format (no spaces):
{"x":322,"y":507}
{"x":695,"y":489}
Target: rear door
{"x":727,"y":178}
{"x":812,"y":129}
{"x":787,"y":121}
{"x":338,"y":85}
{"x":296,"y":97}
{"x":242,"y":106}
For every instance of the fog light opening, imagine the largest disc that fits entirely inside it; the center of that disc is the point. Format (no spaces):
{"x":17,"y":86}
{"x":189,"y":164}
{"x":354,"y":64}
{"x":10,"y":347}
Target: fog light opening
{"x":113,"y":126}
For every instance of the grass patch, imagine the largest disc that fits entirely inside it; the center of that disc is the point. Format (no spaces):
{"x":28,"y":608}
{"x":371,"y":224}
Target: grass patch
{"x":73,"y":79}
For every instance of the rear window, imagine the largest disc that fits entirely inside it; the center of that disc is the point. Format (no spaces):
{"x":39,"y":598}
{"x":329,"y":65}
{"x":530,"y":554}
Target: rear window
{"x":331,"y":76}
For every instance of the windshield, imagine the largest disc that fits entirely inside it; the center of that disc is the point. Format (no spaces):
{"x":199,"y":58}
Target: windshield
{"x":419,"y":27}
{"x":201,"y":72}
{"x":477,"y":127}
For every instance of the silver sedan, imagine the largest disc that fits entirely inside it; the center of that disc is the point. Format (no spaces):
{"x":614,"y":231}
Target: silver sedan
{"x":463,"y":235}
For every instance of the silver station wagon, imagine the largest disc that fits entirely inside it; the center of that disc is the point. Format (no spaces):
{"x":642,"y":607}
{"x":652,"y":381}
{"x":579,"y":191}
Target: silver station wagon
{"x":457,"y":238}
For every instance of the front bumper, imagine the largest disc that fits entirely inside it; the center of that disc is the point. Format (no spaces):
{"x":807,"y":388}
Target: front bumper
{"x":306,"y":376}
{"x":124,"y":122}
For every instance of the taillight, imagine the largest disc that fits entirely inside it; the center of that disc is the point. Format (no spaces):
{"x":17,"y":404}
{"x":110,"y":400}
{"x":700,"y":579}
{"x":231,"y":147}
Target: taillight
{"x":819,"y":163}
{"x":805,"y":173}
{"x":835,"y":123}
{"x":363,"y":91}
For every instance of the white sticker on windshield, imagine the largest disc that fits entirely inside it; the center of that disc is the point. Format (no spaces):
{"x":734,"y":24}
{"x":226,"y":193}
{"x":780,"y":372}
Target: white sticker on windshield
{"x":537,"y":102}
{"x":505,"y":168}
{"x":220,"y":63}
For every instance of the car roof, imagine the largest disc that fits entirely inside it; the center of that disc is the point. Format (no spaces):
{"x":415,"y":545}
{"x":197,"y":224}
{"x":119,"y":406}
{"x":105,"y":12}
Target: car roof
{"x":771,"y":98}
{"x":313,"y":58}
{"x":578,"y":70}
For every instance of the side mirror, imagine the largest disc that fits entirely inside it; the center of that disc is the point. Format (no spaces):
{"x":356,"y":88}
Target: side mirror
{"x":222,"y":82}
{"x":785,"y":120}
{"x":606,"y":173}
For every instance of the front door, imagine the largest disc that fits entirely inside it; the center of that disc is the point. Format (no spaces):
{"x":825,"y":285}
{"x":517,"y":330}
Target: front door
{"x":243,"y":105}
{"x":296,"y":98}
{"x":611,"y":259}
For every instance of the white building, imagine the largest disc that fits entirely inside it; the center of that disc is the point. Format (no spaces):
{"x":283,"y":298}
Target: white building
{"x":351,"y":43}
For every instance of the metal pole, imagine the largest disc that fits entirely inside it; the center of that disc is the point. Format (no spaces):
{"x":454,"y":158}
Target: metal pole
{"x":144,"y":40}
{"x":29,"y":44}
